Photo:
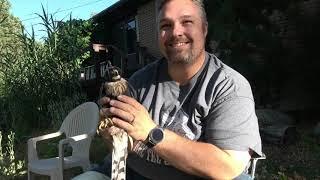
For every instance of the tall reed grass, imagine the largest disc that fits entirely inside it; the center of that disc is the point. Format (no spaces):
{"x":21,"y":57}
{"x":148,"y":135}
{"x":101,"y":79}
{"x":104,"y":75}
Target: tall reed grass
{"x":40,"y":85}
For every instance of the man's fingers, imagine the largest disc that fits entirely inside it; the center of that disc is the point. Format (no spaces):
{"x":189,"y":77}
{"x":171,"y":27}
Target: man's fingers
{"x":104,"y":112}
{"x":129,"y":100}
{"x":104,"y":101}
{"x":122,"y":124}
{"x":122,"y":105}
{"x":126,"y":116}
{"x":113,"y":111}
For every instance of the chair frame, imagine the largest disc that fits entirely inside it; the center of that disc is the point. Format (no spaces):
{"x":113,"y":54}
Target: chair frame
{"x":253,"y":163}
{"x":76,"y":139}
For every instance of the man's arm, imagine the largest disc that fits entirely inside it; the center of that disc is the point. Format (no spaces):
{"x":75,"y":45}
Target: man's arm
{"x":200,"y":159}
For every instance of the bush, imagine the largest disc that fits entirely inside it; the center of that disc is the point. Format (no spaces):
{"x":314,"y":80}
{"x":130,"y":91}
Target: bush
{"x":46,"y":73}
{"x":60,"y":108}
{"x":10,"y":167}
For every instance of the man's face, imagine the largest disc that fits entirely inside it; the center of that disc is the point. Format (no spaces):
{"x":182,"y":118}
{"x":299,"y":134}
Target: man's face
{"x":182,"y":31}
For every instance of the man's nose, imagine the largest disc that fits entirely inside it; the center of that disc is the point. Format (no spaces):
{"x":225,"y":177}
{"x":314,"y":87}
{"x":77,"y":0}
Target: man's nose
{"x":177,"y":30}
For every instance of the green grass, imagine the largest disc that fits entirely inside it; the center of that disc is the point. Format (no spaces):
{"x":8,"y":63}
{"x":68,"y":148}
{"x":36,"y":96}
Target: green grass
{"x":297,"y":161}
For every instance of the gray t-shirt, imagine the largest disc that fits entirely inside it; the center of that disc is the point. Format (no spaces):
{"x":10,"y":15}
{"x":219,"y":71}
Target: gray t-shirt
{"x":216,"y":107}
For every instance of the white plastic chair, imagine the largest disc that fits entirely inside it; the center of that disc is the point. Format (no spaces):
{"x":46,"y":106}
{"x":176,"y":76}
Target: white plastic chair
{"x":79,"y":128}
{"x":252,"y":165}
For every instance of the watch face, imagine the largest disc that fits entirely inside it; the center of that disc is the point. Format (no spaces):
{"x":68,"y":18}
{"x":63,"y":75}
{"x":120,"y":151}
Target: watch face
{"x":157,"y":134}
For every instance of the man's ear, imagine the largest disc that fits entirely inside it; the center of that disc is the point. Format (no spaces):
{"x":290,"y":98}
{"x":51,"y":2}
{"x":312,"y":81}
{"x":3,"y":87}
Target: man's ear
{"x":205,"y":28}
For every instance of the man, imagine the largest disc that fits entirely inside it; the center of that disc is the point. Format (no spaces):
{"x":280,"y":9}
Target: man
{"x":191,"y":116}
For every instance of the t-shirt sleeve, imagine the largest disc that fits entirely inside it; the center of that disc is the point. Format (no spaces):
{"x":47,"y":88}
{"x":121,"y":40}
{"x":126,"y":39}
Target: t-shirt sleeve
{"x":232,"y":123}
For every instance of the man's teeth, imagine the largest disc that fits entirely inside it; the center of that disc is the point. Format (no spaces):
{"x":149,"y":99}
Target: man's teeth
{"x":179,"y":44}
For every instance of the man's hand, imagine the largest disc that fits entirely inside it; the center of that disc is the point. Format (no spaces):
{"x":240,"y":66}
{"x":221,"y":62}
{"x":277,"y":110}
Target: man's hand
{"x":129,"y":115}
{"x":106,"y":133}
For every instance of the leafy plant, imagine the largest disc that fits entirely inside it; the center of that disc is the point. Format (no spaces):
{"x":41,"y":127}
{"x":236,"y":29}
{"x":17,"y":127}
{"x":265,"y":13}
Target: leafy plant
{"x":10,"y":167}
{"x":245,"y":36}
{"x":47,"y":71}
{"x":60,"y":108}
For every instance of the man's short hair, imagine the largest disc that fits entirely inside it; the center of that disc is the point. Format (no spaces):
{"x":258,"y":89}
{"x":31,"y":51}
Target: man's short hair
{"x":198,"y":3}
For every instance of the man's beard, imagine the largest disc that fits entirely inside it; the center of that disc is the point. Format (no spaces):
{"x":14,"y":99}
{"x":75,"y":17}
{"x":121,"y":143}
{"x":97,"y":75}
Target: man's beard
{"x":186,"y":56}
{"x":180,"y":56}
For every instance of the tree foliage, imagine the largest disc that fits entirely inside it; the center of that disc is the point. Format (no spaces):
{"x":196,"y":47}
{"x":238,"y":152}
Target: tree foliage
{"x":240,"y":28}
{"x":244,"y":35}
{"x":45,"y":72}
{"x":10,"y":44}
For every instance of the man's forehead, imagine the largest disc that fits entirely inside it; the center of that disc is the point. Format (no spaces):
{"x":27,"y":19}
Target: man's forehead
{"x":162,"y":19}
{"x":178,"y":9}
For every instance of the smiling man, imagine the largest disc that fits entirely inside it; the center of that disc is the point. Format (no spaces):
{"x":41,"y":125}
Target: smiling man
{"x":182,"y":32}
{"x":191,"y":116}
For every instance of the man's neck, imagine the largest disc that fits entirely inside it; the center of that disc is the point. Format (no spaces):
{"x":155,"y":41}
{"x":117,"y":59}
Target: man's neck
{"x":182,"y":73}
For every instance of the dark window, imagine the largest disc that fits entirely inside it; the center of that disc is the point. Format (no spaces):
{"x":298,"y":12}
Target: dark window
{"x":131,"y":36}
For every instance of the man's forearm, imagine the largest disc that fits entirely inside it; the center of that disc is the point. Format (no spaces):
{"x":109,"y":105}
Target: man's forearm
{"x":200,"y":159}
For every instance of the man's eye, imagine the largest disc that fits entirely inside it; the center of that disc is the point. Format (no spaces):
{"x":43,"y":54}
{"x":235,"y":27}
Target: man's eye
{"x":164,"y":26}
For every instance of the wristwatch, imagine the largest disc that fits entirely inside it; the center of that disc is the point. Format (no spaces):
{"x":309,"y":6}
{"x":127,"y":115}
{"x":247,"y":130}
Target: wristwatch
{"x":155,"y":136}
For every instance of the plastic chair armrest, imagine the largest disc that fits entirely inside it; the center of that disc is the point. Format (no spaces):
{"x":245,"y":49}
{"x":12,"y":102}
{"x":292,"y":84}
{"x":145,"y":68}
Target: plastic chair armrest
{"x":73,"y":139}
{"x":67,"y":141}
{"x":32,"y":144}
